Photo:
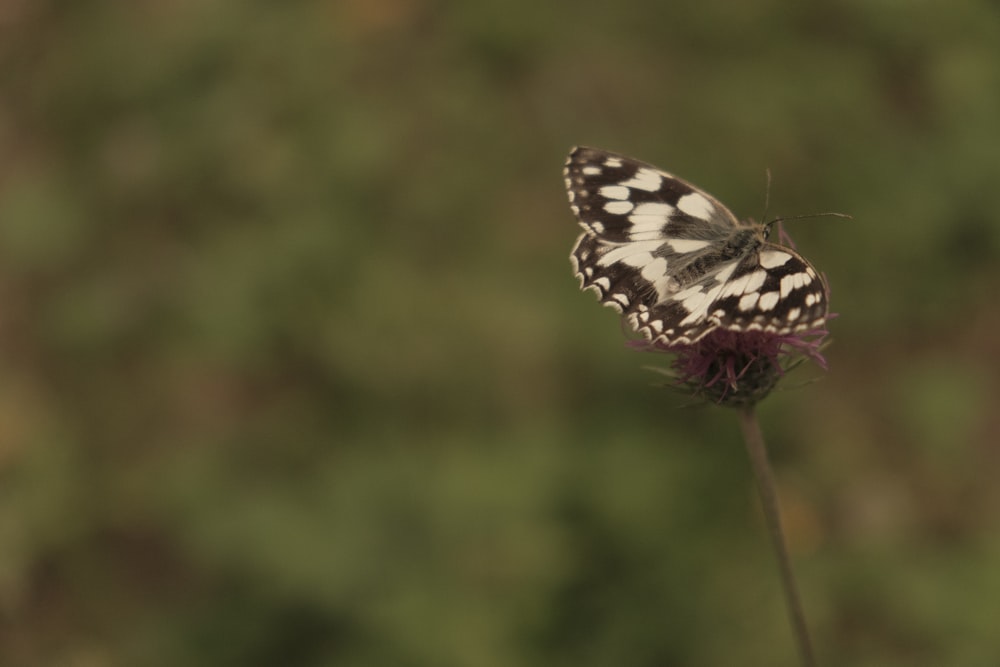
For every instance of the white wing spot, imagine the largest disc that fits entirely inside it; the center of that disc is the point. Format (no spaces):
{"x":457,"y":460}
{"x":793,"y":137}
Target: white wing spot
{"x":768,"y":301}
{"x":696,"y":206}
{"x":787,"y":285}
{"x":614,"y":304}
{"x":791,"y":282}
{"x":687,"y":245}
{"x":793,"y":314}
{"x":651,"y":209}
{"x":772,"y":259}
{"x":755,"y":281}
{"x":722,"y":275}
{"x":648,"y":220}
{"x":636,"y":250}
{"x":613,"y":162}
{"x":591,"y":170}
{"x":748,"y":301}
{"x":614,"y":192}
{"x":745,"y":284}
{"x":618,"y":207}
{"x":603,"y":283}
{"x":645,"y":179}
{"x":665,"y":286}
{"x":688,"y":293}
{"x":640,"y":260}
{"x":811,"y":299}
{"x":698,"y":304}
{"x":654,"y":272}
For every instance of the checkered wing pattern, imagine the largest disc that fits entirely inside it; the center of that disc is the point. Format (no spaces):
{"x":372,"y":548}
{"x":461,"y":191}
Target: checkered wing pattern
{"x":677,"y":263}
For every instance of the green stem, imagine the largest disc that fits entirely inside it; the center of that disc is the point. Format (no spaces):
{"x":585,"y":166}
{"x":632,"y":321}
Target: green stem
{"x":772,"y":515}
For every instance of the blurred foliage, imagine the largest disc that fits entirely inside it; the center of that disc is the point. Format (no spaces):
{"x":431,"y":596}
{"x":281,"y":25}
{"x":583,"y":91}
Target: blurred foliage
{"x":293,"y":369}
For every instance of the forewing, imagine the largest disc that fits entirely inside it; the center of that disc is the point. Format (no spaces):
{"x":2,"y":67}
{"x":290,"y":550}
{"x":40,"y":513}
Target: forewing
{"x":623,"y":200}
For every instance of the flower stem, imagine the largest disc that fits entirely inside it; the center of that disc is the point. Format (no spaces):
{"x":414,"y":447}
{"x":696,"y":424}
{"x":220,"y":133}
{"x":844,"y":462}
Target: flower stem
{"x":772,"y":515}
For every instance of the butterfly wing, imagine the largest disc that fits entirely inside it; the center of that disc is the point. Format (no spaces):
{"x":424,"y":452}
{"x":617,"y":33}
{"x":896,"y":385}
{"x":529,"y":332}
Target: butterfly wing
{"x":654,"y":248}
{"x":774,"y":290}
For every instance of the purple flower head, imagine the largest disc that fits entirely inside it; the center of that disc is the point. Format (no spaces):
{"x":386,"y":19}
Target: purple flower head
{"x":739,"y":368}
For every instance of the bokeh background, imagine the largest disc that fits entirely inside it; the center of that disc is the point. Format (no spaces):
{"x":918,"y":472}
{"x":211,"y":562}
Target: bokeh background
{"x":293,"y":369}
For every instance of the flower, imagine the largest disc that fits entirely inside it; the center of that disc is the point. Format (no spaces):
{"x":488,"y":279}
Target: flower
{"x":739,"y":368}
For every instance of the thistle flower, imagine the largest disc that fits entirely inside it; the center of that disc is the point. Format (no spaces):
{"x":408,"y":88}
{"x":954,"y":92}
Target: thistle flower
{"x":739,"y":368}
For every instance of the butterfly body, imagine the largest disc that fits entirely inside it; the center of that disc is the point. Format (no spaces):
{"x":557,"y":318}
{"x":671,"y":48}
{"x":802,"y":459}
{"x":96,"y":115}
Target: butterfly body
{"x":676,"y":262}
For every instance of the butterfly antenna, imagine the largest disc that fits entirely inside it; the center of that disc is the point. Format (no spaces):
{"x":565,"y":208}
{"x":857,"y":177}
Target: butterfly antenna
{"x":767,"y":194}
{"x":824,"y":214}
{"x":779,"y":219}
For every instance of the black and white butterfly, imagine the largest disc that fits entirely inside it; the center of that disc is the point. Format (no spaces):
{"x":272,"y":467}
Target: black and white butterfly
{"x":676,"y":262}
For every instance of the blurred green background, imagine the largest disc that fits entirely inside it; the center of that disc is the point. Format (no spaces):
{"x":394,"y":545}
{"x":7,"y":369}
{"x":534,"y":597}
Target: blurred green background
{"x":293,"y":369}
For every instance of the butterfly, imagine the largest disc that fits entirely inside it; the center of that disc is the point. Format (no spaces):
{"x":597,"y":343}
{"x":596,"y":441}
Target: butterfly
{"x":677,"y":263}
